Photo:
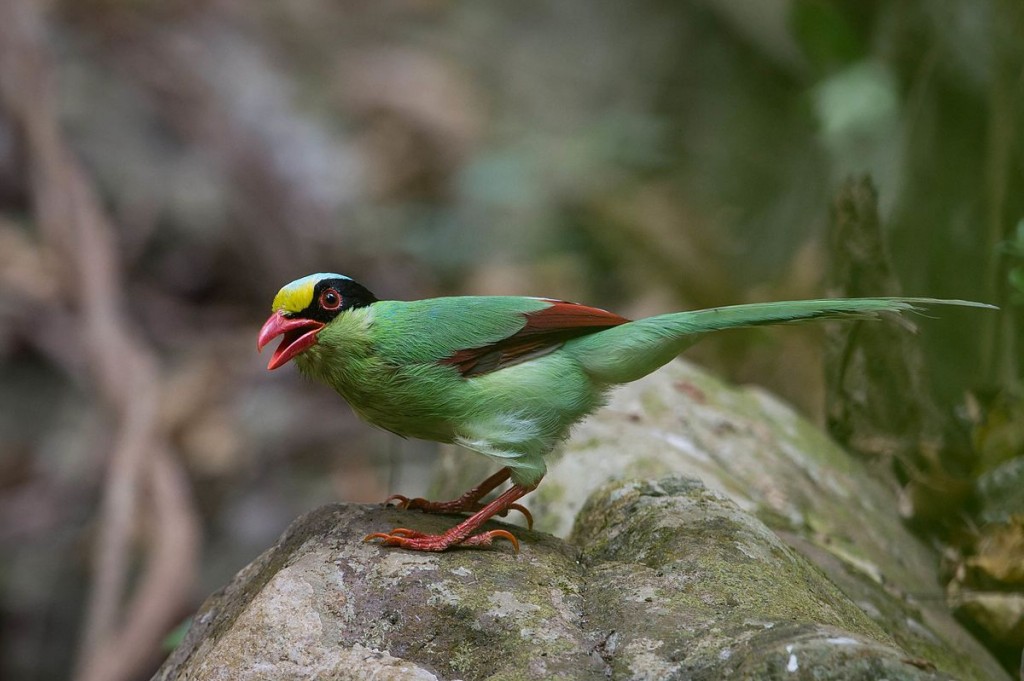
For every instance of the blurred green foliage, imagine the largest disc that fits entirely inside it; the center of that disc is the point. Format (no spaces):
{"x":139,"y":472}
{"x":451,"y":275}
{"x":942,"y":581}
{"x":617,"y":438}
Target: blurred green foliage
{"x":1014,"y":251}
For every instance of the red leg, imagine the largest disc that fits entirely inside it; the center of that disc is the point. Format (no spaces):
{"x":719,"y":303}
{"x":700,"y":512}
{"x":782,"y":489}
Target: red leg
{"x":461,"y":534}
{"x":468,"y":502}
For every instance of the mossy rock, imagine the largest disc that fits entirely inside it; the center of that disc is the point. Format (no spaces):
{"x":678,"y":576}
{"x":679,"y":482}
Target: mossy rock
{"x":663,"y":579}
{"x":787,"y":561}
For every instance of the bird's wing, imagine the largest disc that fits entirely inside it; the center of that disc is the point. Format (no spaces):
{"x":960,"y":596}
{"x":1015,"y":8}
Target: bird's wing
{"x":481,"y":334}
{"x":543,"y":331}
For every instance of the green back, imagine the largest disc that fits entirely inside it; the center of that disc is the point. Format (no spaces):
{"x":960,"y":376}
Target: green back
{"x":426,"y":331}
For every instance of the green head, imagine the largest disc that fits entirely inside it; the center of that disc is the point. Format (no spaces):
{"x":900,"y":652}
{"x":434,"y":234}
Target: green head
{"x":304,"y":307}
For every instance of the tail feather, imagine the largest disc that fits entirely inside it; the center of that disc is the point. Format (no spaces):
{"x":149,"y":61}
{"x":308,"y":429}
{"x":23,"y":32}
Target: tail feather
{"x":630,"y":351}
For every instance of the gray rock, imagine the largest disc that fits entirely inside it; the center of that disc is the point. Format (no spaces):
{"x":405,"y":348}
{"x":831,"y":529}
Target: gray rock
{"x":662,"y":577}
{"x":673,"y":581}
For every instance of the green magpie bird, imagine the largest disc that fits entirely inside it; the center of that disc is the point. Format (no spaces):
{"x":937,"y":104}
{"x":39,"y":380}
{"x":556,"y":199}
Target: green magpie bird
{"x":504,"y":376}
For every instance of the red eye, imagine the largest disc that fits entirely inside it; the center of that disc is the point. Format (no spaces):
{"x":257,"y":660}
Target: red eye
{"x":330,"y":299}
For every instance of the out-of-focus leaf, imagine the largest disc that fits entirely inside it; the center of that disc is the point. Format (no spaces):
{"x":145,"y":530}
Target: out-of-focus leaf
{"x":986,"y":589}
{"x":826,"y":34}
{"x":1000,"y":491}
{"x":856,"y":100}
{"x":1000,"y":554}
{"x":1017,"y":281}
{"x":999,"y":435}
{"x":1014,"y":249}
{"x":1015,"y":246}
{"x":860,"y":124}
{"x":1000,"y":615}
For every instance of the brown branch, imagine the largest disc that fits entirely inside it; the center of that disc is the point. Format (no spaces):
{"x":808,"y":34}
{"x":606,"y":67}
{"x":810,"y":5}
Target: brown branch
{"x":118,"y":638}
{"x":168,"y":577}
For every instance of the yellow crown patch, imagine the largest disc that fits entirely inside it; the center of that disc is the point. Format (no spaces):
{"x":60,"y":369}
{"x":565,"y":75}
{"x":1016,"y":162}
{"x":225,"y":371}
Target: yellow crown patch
{"x":296,"y":296}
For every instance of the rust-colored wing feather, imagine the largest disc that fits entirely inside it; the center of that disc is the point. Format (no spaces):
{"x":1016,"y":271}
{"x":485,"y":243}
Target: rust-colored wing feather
{"x":543,"y":331}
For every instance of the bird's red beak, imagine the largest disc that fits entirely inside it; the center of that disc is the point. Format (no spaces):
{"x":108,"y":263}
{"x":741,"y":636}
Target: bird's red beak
{"x":299,"y":334}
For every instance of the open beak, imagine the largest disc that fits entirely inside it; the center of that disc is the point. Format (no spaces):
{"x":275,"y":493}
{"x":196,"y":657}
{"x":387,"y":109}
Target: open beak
{"x":299,"y":335}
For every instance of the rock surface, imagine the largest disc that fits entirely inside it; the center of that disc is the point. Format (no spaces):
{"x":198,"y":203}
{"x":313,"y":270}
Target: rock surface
{"x":675,"y":582}
{"x":661,"y":577}
{"x":748,"y":445}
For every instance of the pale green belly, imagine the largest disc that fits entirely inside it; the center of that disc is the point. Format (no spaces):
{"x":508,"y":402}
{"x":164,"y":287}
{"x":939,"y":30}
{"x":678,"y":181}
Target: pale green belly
{"x":524,"y":408}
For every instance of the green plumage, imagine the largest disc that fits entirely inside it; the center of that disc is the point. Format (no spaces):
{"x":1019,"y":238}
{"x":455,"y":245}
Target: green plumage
{"x":387,"y":359}
{"x":629,"y":352}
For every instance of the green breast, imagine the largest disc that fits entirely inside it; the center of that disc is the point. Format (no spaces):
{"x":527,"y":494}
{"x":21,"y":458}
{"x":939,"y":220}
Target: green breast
{"x":384,"y":360}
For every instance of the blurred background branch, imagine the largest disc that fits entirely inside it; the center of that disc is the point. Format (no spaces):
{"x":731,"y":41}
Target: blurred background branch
{"x":122,"y":628}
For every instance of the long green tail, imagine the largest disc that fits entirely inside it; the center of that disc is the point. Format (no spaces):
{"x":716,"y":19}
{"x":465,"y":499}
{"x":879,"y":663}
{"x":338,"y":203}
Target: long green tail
{"x":628,"y":352}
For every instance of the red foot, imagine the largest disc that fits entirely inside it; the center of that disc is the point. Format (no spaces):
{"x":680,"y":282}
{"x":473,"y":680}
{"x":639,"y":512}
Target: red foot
{"x":461,"y":534}
{"x":418,"y":541}
{"x":457,"y":506}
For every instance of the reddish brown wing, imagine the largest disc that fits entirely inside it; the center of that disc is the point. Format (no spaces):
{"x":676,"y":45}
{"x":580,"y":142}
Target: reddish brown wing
{"x":544,"y":331}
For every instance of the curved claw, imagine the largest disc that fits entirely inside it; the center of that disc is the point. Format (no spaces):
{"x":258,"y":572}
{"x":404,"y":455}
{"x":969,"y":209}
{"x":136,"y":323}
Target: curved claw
{"x":417,"y":541}
{"x":485,"y":539}
{"x":526,"y":513}
{"x":408,"y":503}
{"x":427,"y":506}
{"x":403,"y":501}
{"x":406,"y":532}
{"x":398,"y":532}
